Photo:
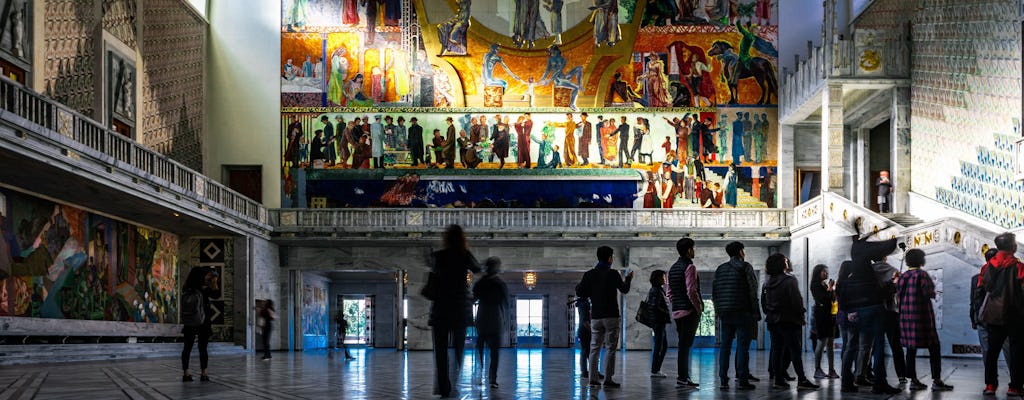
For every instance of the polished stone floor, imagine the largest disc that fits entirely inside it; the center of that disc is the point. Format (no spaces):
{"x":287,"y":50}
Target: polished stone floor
{"x":387,"y":374}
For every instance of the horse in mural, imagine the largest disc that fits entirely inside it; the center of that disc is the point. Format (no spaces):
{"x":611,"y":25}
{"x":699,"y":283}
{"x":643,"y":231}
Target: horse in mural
{"x":735,"y":69}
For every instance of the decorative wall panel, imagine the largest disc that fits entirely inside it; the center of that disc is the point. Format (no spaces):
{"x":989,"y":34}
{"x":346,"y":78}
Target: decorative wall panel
{"x":174,"y":59}
{"x":70,"y":27}
{"x":217,"y":253}
{"x":119,"y":19}
{"x":694,"y":82}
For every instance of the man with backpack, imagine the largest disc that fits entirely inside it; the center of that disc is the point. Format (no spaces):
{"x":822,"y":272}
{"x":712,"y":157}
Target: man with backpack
{"x":201,"y":285}
{"x":1000,"y":313}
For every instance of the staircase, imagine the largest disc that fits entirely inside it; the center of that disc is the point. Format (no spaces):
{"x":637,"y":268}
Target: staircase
{"x":906,"y":220}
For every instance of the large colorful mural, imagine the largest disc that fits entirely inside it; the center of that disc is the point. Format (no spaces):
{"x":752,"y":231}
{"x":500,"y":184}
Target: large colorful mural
{"x":677,"y":97}
{"x":58,"y":261}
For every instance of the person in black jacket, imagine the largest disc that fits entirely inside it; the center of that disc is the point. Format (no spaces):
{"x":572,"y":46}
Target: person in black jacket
{"x":784,"y":312}
{"x":492,"y":293}
{"x":206,"y":281}
{"x":978,"y":297}
{"x":734,"y":293}
{"x":415,"y":142}
{"x":600,"y":285}
{"x":687,"y":306}
{"x":657,"y":308}
{"x":451,"y":310}
{"x":861,"y":297}
{"x":823,"y":329}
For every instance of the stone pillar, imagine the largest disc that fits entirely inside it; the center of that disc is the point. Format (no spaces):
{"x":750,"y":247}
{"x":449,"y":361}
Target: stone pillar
{"x":832,"y":139}
{"x":419,"y":313}
{"x":399,"y":297}
{"x":899,"y":165}
{"x":786,"y":179}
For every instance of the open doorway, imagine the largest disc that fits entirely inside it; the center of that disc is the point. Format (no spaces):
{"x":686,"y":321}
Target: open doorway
{"x":808,"y":184}
{"x":879,"y":156}
{"x":529,"y":317}
{"x":358,"y":312}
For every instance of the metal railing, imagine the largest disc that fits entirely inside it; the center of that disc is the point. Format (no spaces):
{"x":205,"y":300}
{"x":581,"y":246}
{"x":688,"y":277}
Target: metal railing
{"x":51,"y":115}
{"x":841,"y":59}
{"x":524,"y":220}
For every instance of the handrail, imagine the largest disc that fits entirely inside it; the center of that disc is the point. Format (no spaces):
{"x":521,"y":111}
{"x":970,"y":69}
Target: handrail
{"x":489,"y":219}
{"x":49,"y":114}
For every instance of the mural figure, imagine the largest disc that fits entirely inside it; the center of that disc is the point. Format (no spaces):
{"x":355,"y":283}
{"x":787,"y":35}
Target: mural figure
{"x":339,"y":71}
{"x":524,"y":131}
{"x":354,"y":93}
{"x":656,"y":82}
{"x":556,"y":74}
{"x":763,"y":137}
{"x":723,"y":137}
{"x":555,"y":7}
{"x":527,"y":26}
{"x":298,"y":15}
{"x":350,"y":12}
{"x":606,"y":22}
{"x":452,"y":32}
{"x":758,"y":68}
{"x":491,"y":60}
{"x":730,"y":188}
{"x":620,"y":92}
{"x":763,"y":12}
{"x":443,"y":96}
{"x":392,"y":12}
{"x":18,"y":30}
{"x":372,"y":7}
{"x":547,"y":136}
{"x":749,"y":39}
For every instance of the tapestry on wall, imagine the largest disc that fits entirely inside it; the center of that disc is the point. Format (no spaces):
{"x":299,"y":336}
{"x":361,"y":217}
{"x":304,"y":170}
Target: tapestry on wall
{"x":58,"y":261}
{"x":680,"y":95}
{"x":217,"y":253}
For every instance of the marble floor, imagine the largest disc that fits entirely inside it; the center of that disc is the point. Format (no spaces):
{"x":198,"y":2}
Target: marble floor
{"x":388,"y":374}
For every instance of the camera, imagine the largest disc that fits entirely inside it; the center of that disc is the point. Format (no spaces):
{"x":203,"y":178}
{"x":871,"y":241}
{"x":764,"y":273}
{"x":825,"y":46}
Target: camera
{"x":902,"y":246}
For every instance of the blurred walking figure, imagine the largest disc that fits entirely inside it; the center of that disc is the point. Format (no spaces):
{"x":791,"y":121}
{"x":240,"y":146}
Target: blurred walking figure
{"x":451,"y":308}
{"x":342,"y":332}
{"x":492,"y":293}
{"x":267,"y":313}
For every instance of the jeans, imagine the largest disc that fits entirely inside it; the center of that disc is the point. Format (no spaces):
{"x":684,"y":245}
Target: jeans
{"x":584,"y":334}
{"x":740,"y":328}
{"x":191,"y":333}
{"x":997,"y":335}
{"x":786,"y":349}
{"x":658,"y":348}
{"x":983,"y":340}
{"x":935,"y":360}
{"x":686,"y":329}
{"x":266,"y":338}
{"x":861,"y":332}
{"x":442,"y":333}
{"x":892,"y":335}
{"x":493,"y":342}
{"x":606,"y":334}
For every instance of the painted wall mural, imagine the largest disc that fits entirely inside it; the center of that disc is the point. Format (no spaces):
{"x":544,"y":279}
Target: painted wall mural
{"x":58,"y":261}
{"x":694,"y":81}
{"x":314,"y":316}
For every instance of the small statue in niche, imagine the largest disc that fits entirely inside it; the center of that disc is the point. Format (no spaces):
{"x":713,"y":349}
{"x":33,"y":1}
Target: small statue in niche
{"x":18,"y":30}
{"x":452,"y":32}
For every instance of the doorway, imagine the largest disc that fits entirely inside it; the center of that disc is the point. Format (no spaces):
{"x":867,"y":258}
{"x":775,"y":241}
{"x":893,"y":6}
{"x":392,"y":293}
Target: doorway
{"x":878,"y":160}
{"x":358,"y":312}
{"x":808,"y":184}
{"x":529,"y":317}
{"x":245,"y":179}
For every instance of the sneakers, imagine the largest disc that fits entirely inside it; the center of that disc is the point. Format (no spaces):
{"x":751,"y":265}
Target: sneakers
{"x":494,"y":385}
{"x":833,"y":375}
{"x":805,"y":384}
{"x":686,"y":383}
{"x":780,"y":384}
{"x":658,"y":375}
{"x":724,"y":386}
{"x":863,"y":381}
{"x":940,"y":386}
{"x":1012,"y":392}
{"x":917,"y":385}
{"x":849,"y":389}
{"x":884,"y":388}
{"x":751,"y":378}
{"x":990,"y":390}
{"x":819,"y":374}
{"x":204,"y":378}
{"x":746,"y":386}
{"x":611,"y":384}
{"x":595,"y":383}
{"x":186,"y":378}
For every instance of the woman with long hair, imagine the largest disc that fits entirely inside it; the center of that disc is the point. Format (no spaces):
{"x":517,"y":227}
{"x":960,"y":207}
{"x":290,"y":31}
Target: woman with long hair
{"x":823,"y":323}
{"x":451,"y":309}
{"x":204,"y":283}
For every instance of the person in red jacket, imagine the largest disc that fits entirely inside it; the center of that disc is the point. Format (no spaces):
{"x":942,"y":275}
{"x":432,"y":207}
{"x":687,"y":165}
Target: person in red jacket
{"x":1001,"y":280}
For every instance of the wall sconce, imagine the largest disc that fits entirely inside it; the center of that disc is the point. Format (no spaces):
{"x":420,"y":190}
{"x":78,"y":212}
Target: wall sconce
{"x":469,"y":277}
{"x":530,"y":280}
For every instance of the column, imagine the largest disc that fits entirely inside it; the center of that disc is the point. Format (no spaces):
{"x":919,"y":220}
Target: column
{"x":786,"y":178}
{"x":862,"y":177}
{"x":899,"y":166}
{"x":832,"y":139}
{"x":419,"y":312}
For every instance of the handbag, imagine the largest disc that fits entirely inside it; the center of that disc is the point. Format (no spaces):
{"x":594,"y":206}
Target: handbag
{"x":643,"y":315}
{"x":430,"y":289}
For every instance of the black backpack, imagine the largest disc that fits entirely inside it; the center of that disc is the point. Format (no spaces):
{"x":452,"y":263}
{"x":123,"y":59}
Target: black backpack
{"x":193,"y":309}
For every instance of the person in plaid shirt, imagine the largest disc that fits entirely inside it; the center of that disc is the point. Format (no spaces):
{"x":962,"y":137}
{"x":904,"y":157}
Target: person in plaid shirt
{"x":915,"y":291}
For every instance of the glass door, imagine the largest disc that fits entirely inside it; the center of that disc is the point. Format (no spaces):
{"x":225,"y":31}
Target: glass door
{"x":529,"y":322}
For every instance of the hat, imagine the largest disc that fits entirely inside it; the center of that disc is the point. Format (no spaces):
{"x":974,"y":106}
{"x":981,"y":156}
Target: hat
{"x":376,"y":116}
{"x":339,"y":117}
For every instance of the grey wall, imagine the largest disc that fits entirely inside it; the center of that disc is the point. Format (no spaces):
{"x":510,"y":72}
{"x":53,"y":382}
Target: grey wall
{"x":387,"y":314}
{"x":807,"y":146}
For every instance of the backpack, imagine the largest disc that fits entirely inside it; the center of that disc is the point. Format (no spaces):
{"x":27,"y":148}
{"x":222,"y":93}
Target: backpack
{"x":193,"y":309}
{"x":1002,"y":298}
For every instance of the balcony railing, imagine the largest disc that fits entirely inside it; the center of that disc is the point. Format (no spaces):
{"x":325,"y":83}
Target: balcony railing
{"x":525,"y":220}
{"x":51,"y":115}
{"x":842,"y":59}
